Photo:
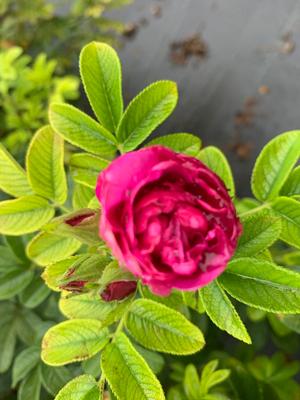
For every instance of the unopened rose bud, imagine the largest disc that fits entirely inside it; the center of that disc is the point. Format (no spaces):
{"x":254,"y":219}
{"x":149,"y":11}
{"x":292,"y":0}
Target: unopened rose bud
{"x":73,"y":286}
{"x":78,"y":219}
{"x":118,"y":290}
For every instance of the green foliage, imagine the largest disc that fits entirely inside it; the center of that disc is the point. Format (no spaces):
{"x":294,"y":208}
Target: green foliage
{"x":54,"y":197}
{"x":45,"y":165}
{"x":160,"y":328}
{"x":74,"y":340}
{"x":145,"y":113}
{"x":179,"y":142}
{"x":216,"y":161}
{"x":222,"y":312}
{"x":83,"y":387}
{"x":263,"y":285}
{"x":65,"y":27}
{"x":194,"y":387}
{"x":120,"y":359}
{"x":101,"y":75}
{"x":26,"y":88}
{"x":274,"y":165}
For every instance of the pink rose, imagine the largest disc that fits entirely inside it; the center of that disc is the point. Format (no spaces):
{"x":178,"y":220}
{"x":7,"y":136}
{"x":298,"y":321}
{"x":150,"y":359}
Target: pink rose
{"x":167,"y":218}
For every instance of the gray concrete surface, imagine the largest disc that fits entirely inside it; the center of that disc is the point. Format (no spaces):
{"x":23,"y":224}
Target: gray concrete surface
{"x":246,"y":51}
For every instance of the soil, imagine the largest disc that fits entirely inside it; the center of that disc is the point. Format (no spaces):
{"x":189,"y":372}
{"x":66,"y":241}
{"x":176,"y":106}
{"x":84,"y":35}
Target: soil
{"x":130,"y":30}
{"x":245,"y":116}
{"x":193,"y":46}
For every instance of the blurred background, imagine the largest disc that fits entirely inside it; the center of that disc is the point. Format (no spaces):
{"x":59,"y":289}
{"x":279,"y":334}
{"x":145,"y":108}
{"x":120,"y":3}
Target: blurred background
{"x":236,"y":64}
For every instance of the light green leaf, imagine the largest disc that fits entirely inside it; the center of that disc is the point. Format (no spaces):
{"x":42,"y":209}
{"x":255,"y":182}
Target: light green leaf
{"x":13,"y":178}
{"x":7,"y":344}
{"x":45,"y":165}
{"x":31,"y":386}
{"x":121,"y":363}
{"x":292,"y":184}
{"x":90,"y":305}
{"x":53,"y":273}
{"x":35,"y":293}
{"x":54,"y":378}
{"x":214,"y":159}
{"x":82,"y":225}
{"x":83,"y":387}
{"x":145,"y":112}
{"x":289,"y":211}
{"x":74,"y":340}
{"x":262,"y":285}
{"x":161,"y":328}
{"x":81,"y":130}
{"x":82,"y":196}
{"x":47,"y":248}
{"x":24,"y":215}
{"x":14,"y":281}
{"x":191,"y":383}
{"x":85,"y":267}
{"x":180,"y":142}
{"x":260,"y":231}
{"x":85,"y":168}
{"x":100,"y":70}
{"x":24,"y":363}
{"x":274,"y":165}
{"x":222,"y":312}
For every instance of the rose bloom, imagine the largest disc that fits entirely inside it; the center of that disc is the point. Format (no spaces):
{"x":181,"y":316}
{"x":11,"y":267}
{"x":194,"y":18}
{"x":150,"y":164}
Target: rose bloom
{"x":167,"y":218}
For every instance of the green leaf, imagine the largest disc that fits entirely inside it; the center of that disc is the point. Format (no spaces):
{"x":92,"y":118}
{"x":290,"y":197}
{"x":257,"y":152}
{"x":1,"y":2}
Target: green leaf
{"x":45,"y":165}
{"x":54,"y":273}
{"x":100,"y":70}
{"x":7,"y":344}
{"x":13,"y":178}
{"x":191,"y":383}
{"x":86,"y":230}
{"x":85,"y":168}
{"x":83,"y":387}
{"x":85,"y":267}
{"x":146,"y":112}
{"x":35,"y":293}
{"x":121,"y":363}
{"x":31,"y":386}
{"x":263,"y":285}
{"x":74,"y":340}
{"x":90,"y":305}
{"x":155,"y":360}
{"x":54,"y":378}
{"x":274,"y":165}
{"x":180,"y":142}
{"x":16,"y":244}
{"x":47,"y":248}
{"x":289,"y":211}
{"x":24,"y":215}
{"x":214,"y":159}
{"x":81,"y":130}
{"x":260,"y":231}
{"x":292,"y":184}
{"x":14,"y":281}
{"x":82,"y":196}
{"x":291,"y":321}
{"x":222,"y":312}
{"x":161,"y":328}
{"x":24,"y":363}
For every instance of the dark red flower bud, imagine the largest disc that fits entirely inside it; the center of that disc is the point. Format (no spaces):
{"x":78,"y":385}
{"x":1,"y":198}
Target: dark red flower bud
{"x":74,"y":221}
{"x":118,"y":290}
{"x":73,"y":286}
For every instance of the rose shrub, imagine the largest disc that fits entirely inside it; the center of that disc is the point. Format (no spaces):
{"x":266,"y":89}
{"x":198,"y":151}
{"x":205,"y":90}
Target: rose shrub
{"x":167,"y":218}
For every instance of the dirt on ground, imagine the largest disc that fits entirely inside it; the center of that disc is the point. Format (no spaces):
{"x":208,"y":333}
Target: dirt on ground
{"x":193,"y":46}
